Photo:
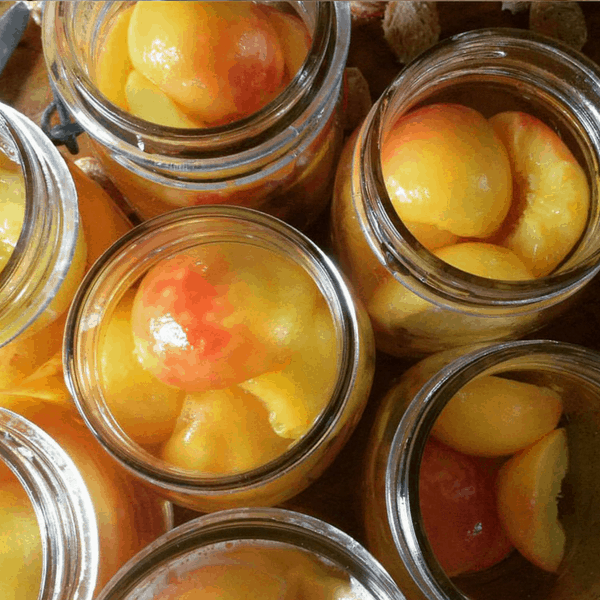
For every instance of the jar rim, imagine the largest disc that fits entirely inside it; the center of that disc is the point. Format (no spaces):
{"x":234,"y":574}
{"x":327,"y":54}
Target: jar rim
{"x":406,"y":449}
{"x":63,"y":507}
{"x":277,"y":127}
{"x":90,"y":303}
{"x":258,"y":524}
{"x":397,"y":249}
{"x":48,"y":239}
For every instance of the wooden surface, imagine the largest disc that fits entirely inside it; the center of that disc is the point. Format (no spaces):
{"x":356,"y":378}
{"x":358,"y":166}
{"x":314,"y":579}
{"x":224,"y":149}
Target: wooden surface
{"x":335,"y":497}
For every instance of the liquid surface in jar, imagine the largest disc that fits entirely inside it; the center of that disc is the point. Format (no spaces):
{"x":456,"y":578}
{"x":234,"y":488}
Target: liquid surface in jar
{"x":219,"y":358}
{"x":20,"y":541}
{"x":496,"y":459}
{"x":199,"y":64}
{"x":262,"y":571}
{"x":128,"y":516}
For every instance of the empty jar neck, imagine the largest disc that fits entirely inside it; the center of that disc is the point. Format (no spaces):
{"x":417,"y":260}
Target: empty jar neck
{"x":558,"y":83}
{"x":167,"y":235}
{"x":71,"y":34}
{"x":62,"y":504}
{"x":557,"y":360}
{"x":45,"y":248}
{"x":258,"y":525}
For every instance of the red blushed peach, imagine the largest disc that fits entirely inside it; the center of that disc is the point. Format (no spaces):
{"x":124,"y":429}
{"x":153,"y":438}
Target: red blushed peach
{"x":551,"y":194}
{"x":444,"y":165}
{"x":189,"y":333}
{"x":219,"y":60}
{"x":528,"y":486}
{"x":458,"y":507}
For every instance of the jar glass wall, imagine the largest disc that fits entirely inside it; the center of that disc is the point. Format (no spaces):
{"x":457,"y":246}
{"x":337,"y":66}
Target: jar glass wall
{"x":253,"y":406}
{"x":47,"y":263}
{"x":62,"y":561}
{"x":418,"y":302}
{"x":277,"y":550}
{"x":279,"y":159}
{"x":394,"y":514}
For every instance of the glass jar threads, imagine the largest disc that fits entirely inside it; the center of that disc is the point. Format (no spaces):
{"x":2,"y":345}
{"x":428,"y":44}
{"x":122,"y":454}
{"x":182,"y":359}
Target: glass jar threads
{"x":279,"y":159}
{"x":218,"y":354}
{"x":457,"y":270}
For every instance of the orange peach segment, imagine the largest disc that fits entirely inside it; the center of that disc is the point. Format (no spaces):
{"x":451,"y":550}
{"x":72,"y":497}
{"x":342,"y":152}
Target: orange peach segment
{"x":12,"y":207}
{"x":431,"y":236}
{"x":147,"y":101}
{"x":293,"y":37}
{"x":222,"y":431}
{"x":20,"y":541}
{"x":145,"y":408}
{"x":494,"y":416}
{"x":485,"y":260}
{"x":297,"y":394}
{"x":528,"y":486}
{"x":551,"y":193}
{"x":391,"y":302}
{"x":114,"y":65}
{"x":444,"y":165}
{"x":219,"y":60}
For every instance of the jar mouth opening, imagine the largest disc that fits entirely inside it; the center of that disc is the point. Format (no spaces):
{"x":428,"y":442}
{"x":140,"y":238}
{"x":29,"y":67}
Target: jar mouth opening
{"x":254,"y":525}
{"x":275,"y":126}
{"x":111,"y":276}
{"x":406,"y":450}
{"x":398,"y":249}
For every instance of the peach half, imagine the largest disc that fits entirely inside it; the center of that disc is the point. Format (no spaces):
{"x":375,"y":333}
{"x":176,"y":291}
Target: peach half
{"x":528,"y":486}
{"x":219,"y":60}
{"x":551,"y":194}
{"x":494,"y":416}
{"x":444,"y":165}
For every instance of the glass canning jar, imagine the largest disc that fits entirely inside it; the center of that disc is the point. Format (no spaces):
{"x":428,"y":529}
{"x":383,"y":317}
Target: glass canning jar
{"x":393,"y":517}
{"x":64,"y":565}
{"x":48,"y":261}
{"x":321,"y":557}
{"x":418,"y":303}
{"x":280,"y":159}
{"x":283,"y":433}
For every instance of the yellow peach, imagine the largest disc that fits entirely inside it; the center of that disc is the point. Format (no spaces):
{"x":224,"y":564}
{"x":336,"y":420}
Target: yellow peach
{"x":114,"y":65}
{"x":147,"y":101}
{"x":392,"y":302}
{"x":296,"y":395}
{"x":494,"y":416}
{"x":485,"y":260}
{"x":219,"y":60}
{"x":144,"y":407}
{"x":551,"y":193}
{"x":223,"y":432}
{"x":528,"y":486}
{"x":444,"y":165}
